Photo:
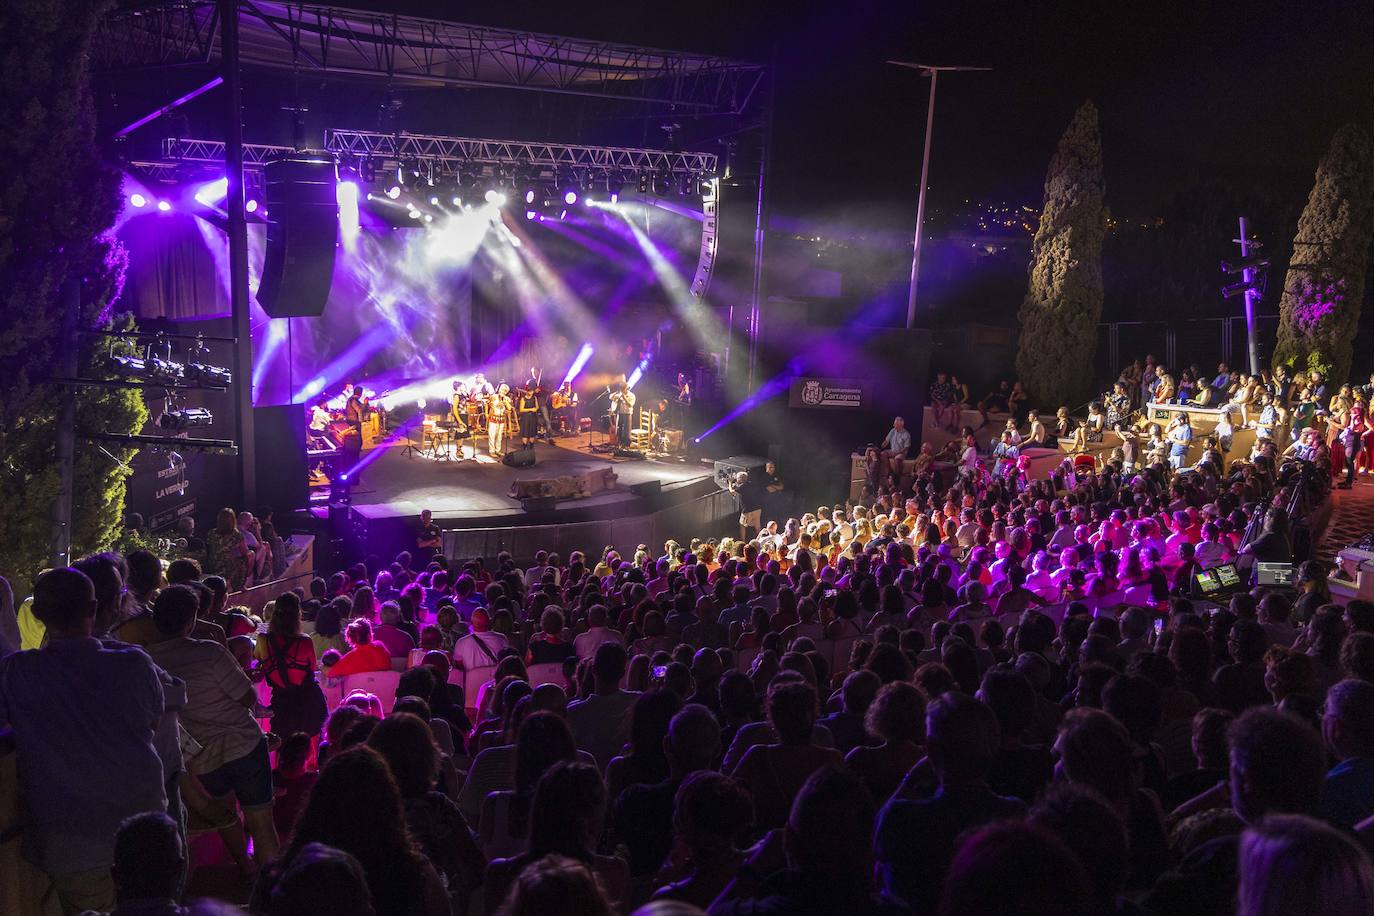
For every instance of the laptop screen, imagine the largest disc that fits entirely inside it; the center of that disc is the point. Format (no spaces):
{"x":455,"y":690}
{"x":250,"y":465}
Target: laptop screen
{"x":1273,"y":573}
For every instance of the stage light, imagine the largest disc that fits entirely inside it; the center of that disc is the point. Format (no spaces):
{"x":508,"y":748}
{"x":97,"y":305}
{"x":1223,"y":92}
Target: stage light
{"x":163,"y":206}
{"x":394,"y":192}
{"x":531,"y":194}
{"x":661,"y":185}
{"x":644,"y":181}
{"x":570,"y":197}
{"x":413,"y":213}
{"x":495,"y":198}
{"x":186,"y":418}
{"x":138,"y":200}
{"x":1236,"y":267}
{"x":206,"y":374}
{"x":615,"y":197}
{"x":530,"y":214}
{"x":429,"y":217}
{"x":213,"y":192}
{"x":434,"y":201}
{"x":457,"y":201}
{"x":252,"y":206}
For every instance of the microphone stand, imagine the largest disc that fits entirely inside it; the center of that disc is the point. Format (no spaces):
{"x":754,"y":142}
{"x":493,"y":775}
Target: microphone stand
{"x":591,"y":412}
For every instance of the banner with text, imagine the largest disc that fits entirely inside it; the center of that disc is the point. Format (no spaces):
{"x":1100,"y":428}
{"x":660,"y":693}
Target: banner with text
{"x":832,"y":393}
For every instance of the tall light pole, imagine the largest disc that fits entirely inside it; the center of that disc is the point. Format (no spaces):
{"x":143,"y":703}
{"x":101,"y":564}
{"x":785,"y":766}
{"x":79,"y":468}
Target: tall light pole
{"x":932,"y":71}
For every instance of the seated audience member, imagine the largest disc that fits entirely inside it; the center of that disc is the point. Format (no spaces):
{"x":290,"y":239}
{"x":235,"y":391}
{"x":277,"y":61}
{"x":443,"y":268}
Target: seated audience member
{"x":1019,"y":770}
{"x":710,"y":813}
{"x":773,"y":773}
{"x":1295,"y":864}
{"x":1277,"y":766}
{"x":233,"y":760}
{"x":1096,"y":750}
{"x":481,"y":648}
{"x":1240,"y":684}
{"x":407,"y":744}
{"x":543,"y":741}
{"x":601,"y":722}
{"x":365,"y":655}
{"x":895,"y":719}
{"x":292,"y":781}
{"x":556,"y":884}
{"x":389,"y":633}
{"x":846,"y":725}
{"x":828,"y":844}
{"x":644,"y":761}
{"x":356,"y":808}
{"x":565,"y":820}
{"x":321,"y":881}
{"x":548,"y":645}
{"x":1015,"y":867}
{"x":149,"y":867}
{"x":643,"y":813}
{"x":1348,"y":726}
{"x":1210,"y":755}
{"x":916,"y":837}
{"x":1090,"y":826}
{"x":585,"y":644}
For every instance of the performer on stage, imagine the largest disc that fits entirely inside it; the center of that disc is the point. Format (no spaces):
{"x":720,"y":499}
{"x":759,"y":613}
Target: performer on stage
{"x":355,"y":409}
{"x":458,"y":416}
{"x":564,"y":403}
{"x":481,"y":388}
{"x":499,"y":413}
{"x":527,"y":408}
{"x":623,"y":408}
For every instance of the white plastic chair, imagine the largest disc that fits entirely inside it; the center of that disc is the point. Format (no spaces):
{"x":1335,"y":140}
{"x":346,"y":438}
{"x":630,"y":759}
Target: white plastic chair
{"x":381,"y":684}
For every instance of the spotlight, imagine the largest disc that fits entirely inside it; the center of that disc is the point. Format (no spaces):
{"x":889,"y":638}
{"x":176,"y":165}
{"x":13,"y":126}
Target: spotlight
{"x":186,"y":418}
{"x":413,"y":214}
{"x":163,"y":206}
{"x":531,"y":194}
{"x":394,"y":192}
{"x":213,"y":192}
{"x":429,"y":217}
{"x":252,"y":205}
{"x":457,"y":201}
{"x":644,"y":181}
{"x":128,"y":366}
{"x":138,"y":200}
{"x":209,"y":375}
{"x":661,"y":185}
{"x":530,"y":214}
{"x":495,"y":198}
{"x":570,"y":197}
{"x":434,"y":201}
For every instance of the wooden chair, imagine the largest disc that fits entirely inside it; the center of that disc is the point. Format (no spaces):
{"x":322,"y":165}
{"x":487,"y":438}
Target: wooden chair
{"x":642,"y":435}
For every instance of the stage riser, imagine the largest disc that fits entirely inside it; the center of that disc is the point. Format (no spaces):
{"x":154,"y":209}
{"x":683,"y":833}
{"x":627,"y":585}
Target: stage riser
{"x":701,"y":511}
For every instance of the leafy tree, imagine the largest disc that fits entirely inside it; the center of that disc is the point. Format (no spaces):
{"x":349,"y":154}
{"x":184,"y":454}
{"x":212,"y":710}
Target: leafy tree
{"x":58,"y":200}
{"x":1322,"y":294}
{"x":1064,"y":301}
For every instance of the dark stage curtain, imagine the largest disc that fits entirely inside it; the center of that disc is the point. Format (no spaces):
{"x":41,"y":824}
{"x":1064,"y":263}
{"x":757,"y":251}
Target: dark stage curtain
{"x":172,"y":272}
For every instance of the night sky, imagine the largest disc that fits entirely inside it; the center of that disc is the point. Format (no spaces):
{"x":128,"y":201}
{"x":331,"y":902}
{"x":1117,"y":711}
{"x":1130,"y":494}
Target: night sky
{"x":1186,"y":90}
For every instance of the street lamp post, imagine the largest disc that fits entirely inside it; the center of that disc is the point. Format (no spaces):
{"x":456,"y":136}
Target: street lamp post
{"x":932,"y":71}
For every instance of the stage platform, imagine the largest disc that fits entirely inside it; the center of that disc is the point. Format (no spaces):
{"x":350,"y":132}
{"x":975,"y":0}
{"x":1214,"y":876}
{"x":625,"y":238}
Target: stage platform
{"x":651,"y":499}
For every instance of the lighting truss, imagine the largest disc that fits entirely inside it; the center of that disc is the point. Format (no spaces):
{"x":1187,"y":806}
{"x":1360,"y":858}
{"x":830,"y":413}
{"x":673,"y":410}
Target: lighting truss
{"x":446,"y":154}
{"x":428,"y":52}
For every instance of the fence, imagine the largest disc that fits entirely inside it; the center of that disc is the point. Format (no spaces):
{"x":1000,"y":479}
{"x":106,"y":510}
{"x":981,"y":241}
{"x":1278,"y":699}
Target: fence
{"x":1205,"y":341}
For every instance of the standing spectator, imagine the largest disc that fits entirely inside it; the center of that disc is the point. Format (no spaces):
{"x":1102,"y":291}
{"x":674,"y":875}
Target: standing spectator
{"x":429,"y":540}
{"x":233,"y":760}
{"x":83,"y":715}
{"x":286,"y":659}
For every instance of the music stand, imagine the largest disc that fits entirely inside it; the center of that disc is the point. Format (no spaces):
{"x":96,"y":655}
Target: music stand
{"x":411,"y":449}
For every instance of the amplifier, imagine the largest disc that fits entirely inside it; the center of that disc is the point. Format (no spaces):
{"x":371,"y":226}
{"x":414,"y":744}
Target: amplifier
{"x":726,"y":468}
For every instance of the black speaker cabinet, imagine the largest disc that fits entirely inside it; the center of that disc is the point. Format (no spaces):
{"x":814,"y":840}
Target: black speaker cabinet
{"x":298,"y":265}
{"x":520,"y":458}
{"x":279,"y":434}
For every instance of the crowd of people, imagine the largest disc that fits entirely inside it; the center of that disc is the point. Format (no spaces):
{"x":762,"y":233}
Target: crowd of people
{"x":975,"y":694}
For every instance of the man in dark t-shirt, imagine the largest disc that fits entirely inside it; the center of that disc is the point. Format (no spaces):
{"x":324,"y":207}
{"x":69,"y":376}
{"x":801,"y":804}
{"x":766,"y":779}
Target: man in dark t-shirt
{"x":750,"y":493}
{"x":430,"y":540}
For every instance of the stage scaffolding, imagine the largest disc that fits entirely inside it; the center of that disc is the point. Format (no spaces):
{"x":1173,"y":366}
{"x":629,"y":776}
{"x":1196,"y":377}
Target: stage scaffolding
{"x":227,"y":35}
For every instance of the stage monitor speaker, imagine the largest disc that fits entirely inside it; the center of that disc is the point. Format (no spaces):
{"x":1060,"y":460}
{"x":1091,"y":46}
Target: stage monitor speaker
{"x":520,"y":458}
{"x":649,"y":489}
{"x":298,"y":265}
{"x":283,"y":478}
{"x":538,"y":503}
{"x":725,"y":468}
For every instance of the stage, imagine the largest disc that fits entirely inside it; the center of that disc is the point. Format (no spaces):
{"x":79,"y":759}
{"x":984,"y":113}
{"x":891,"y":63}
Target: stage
{"x":651,"y":499}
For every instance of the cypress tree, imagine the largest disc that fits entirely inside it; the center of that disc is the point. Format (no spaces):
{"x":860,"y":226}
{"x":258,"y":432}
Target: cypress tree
{"x":58,"y":199}
{"x":1063,"y":303}
{"x":1320,"y":307}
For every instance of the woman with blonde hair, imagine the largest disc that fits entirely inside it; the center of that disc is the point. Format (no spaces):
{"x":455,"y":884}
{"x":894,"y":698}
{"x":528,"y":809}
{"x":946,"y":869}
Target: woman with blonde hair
{"x":1290,"y":863}
{"x":226,"y":550}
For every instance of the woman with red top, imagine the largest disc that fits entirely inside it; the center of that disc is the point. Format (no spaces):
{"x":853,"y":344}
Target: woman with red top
{"x":365,"y":654}
{"x":286,"y":658}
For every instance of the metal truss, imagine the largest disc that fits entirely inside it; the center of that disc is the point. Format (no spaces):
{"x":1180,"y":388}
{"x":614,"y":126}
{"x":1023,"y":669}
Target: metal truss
{"x":432,"y":52}
{"x":439,"y":155}
{"x":450,"y":153}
